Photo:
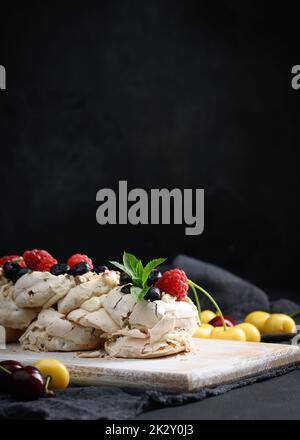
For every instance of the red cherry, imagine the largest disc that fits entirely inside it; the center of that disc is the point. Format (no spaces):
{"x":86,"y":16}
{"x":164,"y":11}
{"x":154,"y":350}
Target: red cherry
{"x":217,"y":321}
{"x":27,"y":383}
{"x":5,"y":377}
{"x":10,"y":362}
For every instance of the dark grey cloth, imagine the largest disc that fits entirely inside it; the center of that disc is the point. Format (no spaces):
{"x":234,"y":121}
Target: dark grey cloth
{"x":83,"y":403}
{"x":95,"y":403}
{"x":284,"y":306}
{"x":235,"y":296}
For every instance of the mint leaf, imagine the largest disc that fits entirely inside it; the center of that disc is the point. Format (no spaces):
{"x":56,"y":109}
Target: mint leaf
{"x":137,"y":278}
{"x":138,"y":273}
{"x":149,"y":267}
{"x":139,"y":269}
{"x":130,"y":261}
{"x":138,"y":293}
{"x":123,"y":268}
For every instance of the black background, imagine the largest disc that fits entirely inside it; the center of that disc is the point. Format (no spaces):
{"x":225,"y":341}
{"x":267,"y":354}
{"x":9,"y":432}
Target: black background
{"x":176,"y":94}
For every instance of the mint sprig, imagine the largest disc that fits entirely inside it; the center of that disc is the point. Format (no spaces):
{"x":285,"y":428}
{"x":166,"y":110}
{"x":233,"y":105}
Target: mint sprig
{"x":138,"y":273}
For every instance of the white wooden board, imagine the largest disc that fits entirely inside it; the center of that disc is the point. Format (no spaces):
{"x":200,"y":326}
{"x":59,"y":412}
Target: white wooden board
{"x":211,"y":363}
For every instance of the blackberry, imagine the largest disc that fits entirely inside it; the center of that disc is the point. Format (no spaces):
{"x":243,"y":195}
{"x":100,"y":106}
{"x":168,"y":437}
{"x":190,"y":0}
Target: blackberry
{"x":125,"y":278}
{"x":60,"y":269}
{"x":153,"y":294}
{"x":126,"y":289}
{"x":79,"y":269}
{"x":13,"y":271}
{"x":10,"y":270}
{"x":22,"y":271}
{"x":100,"y":269}
{"x":154,"y":276}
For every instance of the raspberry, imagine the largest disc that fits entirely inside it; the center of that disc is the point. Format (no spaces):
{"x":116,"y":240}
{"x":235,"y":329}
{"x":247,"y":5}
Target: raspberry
{"x":79,"y":258}
{"x":174,"y":282}
{"x":39,"y":259}
{"x":45,"y":264}
{"x":15,"y":258}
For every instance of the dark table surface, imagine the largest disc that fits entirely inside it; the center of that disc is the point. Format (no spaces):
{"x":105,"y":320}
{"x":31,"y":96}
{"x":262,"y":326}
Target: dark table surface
{"x":274,"y":399}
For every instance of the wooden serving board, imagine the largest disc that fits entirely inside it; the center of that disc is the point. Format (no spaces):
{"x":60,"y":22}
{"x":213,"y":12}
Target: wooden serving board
{"x":211,"y":363}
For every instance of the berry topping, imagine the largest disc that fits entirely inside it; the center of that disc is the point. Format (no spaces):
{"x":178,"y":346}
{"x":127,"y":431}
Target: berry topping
{"x":80,"y":269}
{"x":79,"y":258}
{"x":14,"y":258}
{"x":39,"y":259}
{"x":59,"y":269}
{"x":23,"y":271}
{"x":13,"y":271}
{"x":154,"y":276}
{"x":174,"y":282}
{"x":126,"y":289}
{"x":10,"y":270}
{"x":100,"y":269}
{"x":125,"y":278}
{"x":45,"y":264}
{"x":153,"y":294}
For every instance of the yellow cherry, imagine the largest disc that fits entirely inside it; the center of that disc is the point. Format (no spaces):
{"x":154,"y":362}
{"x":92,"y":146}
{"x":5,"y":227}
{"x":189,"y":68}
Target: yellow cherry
{"x":56,"y":370}
{"x":258,"y":319}
{"x":203,"y":331}
{"x":279,"y":323}
{"x":252,"y":333}
{"x":206,"y":316}
{"x":232,"y":333}
{"x":218,"y":329}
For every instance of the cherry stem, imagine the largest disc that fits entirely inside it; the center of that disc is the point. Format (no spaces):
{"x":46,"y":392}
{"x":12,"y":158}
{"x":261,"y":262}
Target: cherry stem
{"x":196,"y":299}
{"x":47,"y":391}
{"x":293,"y":315}
{"x":191,"y":283}
{"x":5,"y":370}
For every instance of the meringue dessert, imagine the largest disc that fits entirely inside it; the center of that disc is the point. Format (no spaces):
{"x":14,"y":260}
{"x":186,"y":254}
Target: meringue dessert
{"x":134,"y":312}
